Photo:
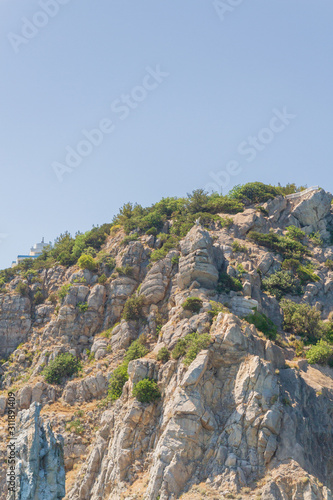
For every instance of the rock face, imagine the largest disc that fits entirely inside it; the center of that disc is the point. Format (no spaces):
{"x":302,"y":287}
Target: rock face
{"x":312,"y":210}
{"x":200,"y":260}
{"x":240,"y":415}
{"x":224,"y":421}
{"x":40,"y":463}
{"x":15,"y":322}
{"x":155,"y":285}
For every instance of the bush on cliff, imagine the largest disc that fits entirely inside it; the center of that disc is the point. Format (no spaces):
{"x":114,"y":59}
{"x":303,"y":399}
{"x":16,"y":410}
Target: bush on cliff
{"x":302,"y":320}
{"x":321,"y":353}
{"x":193,"y":304}
{"x":63,"y":366}
{"x":263,"y":324}
{"x":87,"y":262}
{"x":146,"y":391}
{"x":133,"y":308}
{"x":282,"y":283}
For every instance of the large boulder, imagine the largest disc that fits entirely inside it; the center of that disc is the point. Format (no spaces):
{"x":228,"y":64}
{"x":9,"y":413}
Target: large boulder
{"x":155,"y":284}
{"x":312,"y":209}
{"x":15,"y":322}
{"x":200,"y":260}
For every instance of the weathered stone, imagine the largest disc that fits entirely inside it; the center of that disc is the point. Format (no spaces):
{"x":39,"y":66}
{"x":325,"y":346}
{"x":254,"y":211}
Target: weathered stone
{"x":40,"y":469}
{"x":198,"y":261}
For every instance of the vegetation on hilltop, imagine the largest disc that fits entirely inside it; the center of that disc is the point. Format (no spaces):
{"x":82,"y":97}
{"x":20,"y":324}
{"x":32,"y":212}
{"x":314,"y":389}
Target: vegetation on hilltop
{"x":67,"y":250}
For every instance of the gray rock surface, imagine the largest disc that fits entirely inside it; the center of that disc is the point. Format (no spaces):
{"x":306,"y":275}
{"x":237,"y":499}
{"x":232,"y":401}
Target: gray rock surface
{"x":40,"y":469}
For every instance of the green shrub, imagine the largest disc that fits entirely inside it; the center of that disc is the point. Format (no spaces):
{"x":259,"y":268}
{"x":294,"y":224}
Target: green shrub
{"x":83,"y":306}
{"x":316,"y":239}
{"x":329,"y":264}
{"x":152,"y":231}
{"x":263,"y":324}
{"x":290,"y":265}
{"x":146,"y":391}
{"x":125,"y":270}
{"x":75,"y":426}
{"x":280,"y":244}
{"x":175,"y":260}
{"x":224,"y":205}
{"x":94,"y":239}
{"x":253,"y":192}
{"x":38,"y":298}
{"x":104,"y":259}
{"x":63,"y":366}
{"x":53,"y":298}
{"x":64,"y":291}
{"x":290,"y":189}
{"x":129,"y":238}
{"x":304,"y":273}
{"x":238,"y":247}
{"x":163,"y":355}
{"x":321,"y":353}
{"x":193,"y":304}
{"x":227,"y":284}
{"x":22,"y":288}
{"x":87,"y":262}
{"x":217,"y":307}
{"x":240,"y":269}
{"x":262,"y":210}
{"x":170,"y":243}
{"x":135,"y":351}
{"x":102,"y":279}
{"x":302,"y":320}
{"x":282,"y":283}
{"x":195,"y":344}
{"x":180,"y":349}
{"x":133,"y":308}
{"x":117,"y":381}
{"x":295,"y":233}
{"x":190,"y":346}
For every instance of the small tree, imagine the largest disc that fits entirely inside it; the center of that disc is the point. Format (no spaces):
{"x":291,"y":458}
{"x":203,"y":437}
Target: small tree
{"x":146,"y":391}
{"x":163,"y":355}
{"x":87,"y":262}
{"x":193,"y":304}
{"x":302,"y":320}
{"x":117,"y":381}
{"x":63,"y":366}
{"x":133,"y":308}
{"x":263,"y":324}
{"x":135,"y":351}
{"x":22,"y":288}
{"x":321,"y":353}
{"x":295,"y":233}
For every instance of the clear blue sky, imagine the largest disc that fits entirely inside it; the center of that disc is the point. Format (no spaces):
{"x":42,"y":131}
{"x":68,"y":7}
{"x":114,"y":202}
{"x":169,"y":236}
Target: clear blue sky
{"x":223,"y":72}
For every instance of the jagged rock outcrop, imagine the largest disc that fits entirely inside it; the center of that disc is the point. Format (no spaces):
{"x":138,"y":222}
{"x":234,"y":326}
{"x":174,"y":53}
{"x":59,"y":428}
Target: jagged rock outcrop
{"x":15,"y":322}
{"x":155,"y":284}
{"x":222,"y":420}
{"x":239,"y":415}
{"x":312,"y":210}
{"x":90,"y":387}
{"x":200,"y":261}
{"x":40,"y":469}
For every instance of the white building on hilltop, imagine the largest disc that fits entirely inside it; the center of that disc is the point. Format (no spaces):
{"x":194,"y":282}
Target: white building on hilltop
{"x":35,"y":251}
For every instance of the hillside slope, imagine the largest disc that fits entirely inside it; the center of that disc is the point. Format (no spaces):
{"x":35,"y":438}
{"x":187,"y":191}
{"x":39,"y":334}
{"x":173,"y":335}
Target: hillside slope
{"x":225,"y":333}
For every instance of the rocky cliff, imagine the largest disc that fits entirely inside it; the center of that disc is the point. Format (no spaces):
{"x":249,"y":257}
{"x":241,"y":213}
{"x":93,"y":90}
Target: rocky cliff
{"x":241,"y":413}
